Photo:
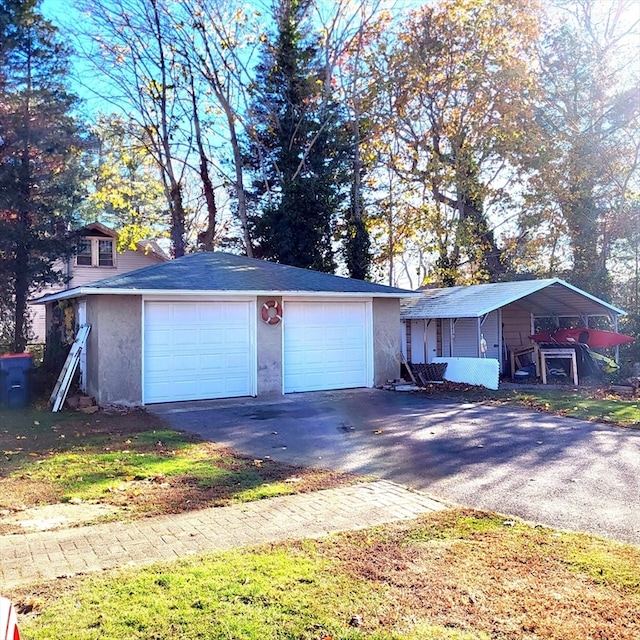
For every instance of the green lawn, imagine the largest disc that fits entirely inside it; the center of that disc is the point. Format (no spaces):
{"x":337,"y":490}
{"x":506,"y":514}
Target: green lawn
{"x":132,"y":460}
{"x":587,"y":405}
{"x":451,"y":575}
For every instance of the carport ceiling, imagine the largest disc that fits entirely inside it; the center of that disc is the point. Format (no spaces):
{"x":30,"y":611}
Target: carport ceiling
{"x":551,"y":297}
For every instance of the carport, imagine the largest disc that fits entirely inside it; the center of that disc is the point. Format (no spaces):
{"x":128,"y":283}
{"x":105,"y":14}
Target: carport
{"x":494,"y":320}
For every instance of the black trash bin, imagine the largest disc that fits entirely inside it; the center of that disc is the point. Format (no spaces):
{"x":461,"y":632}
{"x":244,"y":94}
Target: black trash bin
{"x":15,"y":389}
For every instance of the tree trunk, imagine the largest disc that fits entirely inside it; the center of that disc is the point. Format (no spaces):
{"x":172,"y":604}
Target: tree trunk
{"x":21,"y":291}
{"x":177,"y":220}
{"x":241,"y":195}
{"x":357,"y":243}
{"x":206,"y":239}
{"x":178,"y":215}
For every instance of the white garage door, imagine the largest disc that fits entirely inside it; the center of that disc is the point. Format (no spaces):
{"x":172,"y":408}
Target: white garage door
{"x":326,"y":346}
{"x":197,"y":351}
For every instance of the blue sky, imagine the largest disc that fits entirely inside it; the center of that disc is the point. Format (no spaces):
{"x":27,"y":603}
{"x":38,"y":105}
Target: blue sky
{"x":63,"y":14}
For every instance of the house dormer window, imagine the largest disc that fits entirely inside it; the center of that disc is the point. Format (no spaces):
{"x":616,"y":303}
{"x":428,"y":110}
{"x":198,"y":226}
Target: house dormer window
{"x":95,"y":252}
{"x":105,"y":253}
{"x":83,"y":257}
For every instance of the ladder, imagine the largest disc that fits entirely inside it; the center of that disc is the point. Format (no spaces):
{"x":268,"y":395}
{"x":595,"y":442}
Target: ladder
{"x":61,"y":389}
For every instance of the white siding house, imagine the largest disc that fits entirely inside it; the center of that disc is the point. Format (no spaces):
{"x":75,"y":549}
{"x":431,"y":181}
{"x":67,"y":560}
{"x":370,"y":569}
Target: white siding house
{"x":96,"y":259}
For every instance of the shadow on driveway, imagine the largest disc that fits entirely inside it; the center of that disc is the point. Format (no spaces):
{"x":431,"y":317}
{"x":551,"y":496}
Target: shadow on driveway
{"x":557,"y":471}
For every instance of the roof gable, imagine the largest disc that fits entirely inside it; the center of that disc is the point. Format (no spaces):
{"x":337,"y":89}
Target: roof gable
{"x":97,"y":229}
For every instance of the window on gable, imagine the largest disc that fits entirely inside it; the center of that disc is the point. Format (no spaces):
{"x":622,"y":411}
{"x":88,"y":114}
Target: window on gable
{"x":83,"y":257}
{"x":105,"y":253}
{"x":95,"y":252}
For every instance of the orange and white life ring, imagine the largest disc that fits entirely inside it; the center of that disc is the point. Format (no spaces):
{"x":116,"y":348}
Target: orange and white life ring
{"x":271,"y":312}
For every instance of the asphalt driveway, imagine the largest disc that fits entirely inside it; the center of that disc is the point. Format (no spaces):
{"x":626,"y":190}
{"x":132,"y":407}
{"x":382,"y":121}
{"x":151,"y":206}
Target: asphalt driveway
{"x":557,"y":471}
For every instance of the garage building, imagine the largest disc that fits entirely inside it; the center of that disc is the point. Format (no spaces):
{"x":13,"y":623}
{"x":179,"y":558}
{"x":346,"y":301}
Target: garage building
{"x":217,"y":325}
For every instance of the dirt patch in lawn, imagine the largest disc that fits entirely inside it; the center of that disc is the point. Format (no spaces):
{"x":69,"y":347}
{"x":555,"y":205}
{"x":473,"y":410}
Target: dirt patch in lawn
{"x":55,"y":516}
{"x":451,"y":574}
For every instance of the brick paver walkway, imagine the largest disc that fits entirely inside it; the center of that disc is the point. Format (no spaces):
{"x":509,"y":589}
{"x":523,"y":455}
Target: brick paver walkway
{"x":33,"y":557}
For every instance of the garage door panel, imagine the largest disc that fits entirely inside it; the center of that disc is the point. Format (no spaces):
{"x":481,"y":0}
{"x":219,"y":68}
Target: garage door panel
{"x":234,"y":335}
{"x":197,"y":351}
{"x":230,"y":365}
{"x":210,"y":314}
{"x":326,"y":346}
{"x":235,"y":387}
{"x":164,"y":388}
{"x":211,"y":336}
{"x":183,"y":337}
{"x":296,"y":359}
{"x":184,"y":315}
{"x":334,"y":357}
{"x":211,"y":365}
{"x":296,"y":334}
{"x":310,"y":361}
{"x":236,"y":312}
{"x":334,"y":334}
{"x":158,"y":336}
{"x":159,"y":314}
{"x":187,"y":363}
{"x":157,"y":366}
{"x":351,"y":354}
{"x":353,"y":335}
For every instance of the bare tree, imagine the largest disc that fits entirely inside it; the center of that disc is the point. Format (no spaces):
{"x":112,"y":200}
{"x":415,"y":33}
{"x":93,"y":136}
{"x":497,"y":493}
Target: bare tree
{"x":219,"y":39}
{"x":140,"y":78}
{"x":347,"y":31}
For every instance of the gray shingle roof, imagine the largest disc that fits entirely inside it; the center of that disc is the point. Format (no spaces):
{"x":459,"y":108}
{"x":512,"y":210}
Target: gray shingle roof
{"x":540,"y":297}
{"x":226,"y":272}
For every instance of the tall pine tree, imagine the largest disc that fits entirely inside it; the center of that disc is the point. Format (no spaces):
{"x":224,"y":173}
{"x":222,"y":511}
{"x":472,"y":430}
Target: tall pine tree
{"x":300,"y":141}
{"x":40,"y":158}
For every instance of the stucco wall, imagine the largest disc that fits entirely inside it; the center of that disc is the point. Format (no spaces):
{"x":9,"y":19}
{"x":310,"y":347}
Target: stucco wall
{"x":116,"y":335}
{"x":115,"y":377}
{"x":269,"y":341}
{"x":386,"y":340}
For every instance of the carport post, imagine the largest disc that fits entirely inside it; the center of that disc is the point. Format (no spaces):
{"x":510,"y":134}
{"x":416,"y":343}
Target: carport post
{"x":614,"y":319}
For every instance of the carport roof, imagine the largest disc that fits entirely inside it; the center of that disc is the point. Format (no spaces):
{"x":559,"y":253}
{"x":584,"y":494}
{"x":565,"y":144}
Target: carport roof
{"x":225,"y":273}
{"x":551,"y":297}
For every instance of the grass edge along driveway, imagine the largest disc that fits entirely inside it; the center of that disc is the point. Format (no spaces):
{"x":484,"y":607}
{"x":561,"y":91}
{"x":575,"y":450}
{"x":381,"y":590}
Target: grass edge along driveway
{"x":132,"y":461}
